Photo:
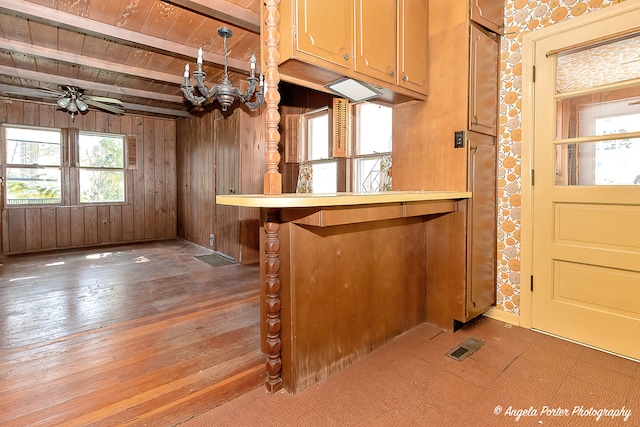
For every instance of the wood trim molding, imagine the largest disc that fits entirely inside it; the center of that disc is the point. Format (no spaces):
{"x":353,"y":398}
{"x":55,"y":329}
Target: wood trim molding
{"x":223,"y":11}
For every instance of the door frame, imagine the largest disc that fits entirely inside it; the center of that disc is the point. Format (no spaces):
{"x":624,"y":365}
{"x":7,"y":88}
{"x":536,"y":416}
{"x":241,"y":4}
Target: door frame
{"x":529,"y":43}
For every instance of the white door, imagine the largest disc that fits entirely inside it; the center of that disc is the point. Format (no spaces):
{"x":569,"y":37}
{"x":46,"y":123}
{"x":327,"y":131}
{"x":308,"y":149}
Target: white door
{"x":586,"y":192}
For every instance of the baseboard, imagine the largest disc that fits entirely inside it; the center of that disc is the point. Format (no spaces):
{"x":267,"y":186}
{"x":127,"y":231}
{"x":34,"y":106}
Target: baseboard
{"x":503,"y":316}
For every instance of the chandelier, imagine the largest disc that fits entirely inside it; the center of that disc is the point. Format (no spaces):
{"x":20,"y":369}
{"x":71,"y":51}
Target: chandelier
{"x":224,"y":92}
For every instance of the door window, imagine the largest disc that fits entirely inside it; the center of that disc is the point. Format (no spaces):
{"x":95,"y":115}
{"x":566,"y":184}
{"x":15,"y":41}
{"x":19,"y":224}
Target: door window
{"x":598,"y":127}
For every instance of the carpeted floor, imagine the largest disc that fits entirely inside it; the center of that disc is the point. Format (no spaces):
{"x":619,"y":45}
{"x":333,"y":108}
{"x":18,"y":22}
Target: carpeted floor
{"x":215,"y":260}
{"x":519,"y":377}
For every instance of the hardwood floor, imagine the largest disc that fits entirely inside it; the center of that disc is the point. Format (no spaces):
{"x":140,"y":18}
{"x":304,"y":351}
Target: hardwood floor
{"x":143,"y":334}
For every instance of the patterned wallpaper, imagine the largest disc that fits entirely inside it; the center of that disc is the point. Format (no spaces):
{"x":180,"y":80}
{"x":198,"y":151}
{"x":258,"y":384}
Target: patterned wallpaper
{"x":521,"y":17}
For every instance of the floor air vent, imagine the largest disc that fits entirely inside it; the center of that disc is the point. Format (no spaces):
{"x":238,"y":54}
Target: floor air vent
{"x":464,"y":349}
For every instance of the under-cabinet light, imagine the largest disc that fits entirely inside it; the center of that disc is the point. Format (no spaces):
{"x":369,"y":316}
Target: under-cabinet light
{"x":353,"y":90}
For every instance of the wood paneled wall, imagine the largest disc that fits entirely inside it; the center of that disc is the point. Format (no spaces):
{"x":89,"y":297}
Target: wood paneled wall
{"x":217,"y":154}
{"x":149,"y":212}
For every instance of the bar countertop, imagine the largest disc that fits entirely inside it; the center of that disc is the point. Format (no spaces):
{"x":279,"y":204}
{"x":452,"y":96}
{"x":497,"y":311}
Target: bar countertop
{"x":297,"y":200}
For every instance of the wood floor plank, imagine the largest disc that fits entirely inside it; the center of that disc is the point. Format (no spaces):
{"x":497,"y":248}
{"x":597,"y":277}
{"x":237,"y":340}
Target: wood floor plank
{"x":131,"y":335}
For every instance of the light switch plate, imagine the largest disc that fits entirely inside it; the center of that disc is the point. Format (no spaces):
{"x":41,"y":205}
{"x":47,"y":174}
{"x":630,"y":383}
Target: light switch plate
{"x":458,"y":139}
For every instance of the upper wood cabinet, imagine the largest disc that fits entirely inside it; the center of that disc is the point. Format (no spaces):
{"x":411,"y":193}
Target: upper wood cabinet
{"x":381,"y":42}
{"x":325,"y":29}
{"x":413,"y":51}
{"x":391,"y":41}
{"x":489,"y":14}
{"x":483,"y":79}
{"x":375,"y":38}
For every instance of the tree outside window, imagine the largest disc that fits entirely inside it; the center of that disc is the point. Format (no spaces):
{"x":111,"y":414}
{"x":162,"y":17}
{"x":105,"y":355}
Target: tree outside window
{"x":33,"y":166}
{"x":101,"y":166}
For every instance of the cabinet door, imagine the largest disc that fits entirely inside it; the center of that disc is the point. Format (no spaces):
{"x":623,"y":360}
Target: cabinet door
{"x":325,"y":30}
{"x":413,"y":37}
{"x":376,"y":39}
{"x":481,"y":234}
{"x":483,"y":88}
{"x":489,"y":14}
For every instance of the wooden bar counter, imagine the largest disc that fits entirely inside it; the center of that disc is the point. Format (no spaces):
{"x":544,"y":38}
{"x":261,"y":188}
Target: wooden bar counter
{"x":350,"y":273}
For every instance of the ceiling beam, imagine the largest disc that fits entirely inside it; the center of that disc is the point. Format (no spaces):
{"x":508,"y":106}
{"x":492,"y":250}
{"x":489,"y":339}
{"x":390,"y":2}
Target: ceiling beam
{"x":222,"y":10}
{"x":87,"y":85}
{"x":79,"y":24}
{"x":86,"y":61}
{"x":128,"y":107}
{"x":28,"y":93}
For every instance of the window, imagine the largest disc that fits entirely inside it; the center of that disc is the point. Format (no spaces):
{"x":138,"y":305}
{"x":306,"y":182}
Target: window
{"x":372,"y":160}
{"x":41,"y":165}
{"x":607,"y":151}
{"x":33,"y":166}
{"x":101,"y":168}
{"x":324,"y":178}
{"x":598,"y":114}
{"x":335,"y":158}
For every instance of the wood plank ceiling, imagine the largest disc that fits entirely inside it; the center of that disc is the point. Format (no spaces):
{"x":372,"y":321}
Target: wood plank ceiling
{"x":131,"y":50}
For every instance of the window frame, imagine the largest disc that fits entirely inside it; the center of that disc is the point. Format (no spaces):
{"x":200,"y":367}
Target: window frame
{"x":306,"y":140}
{"x":69,"y":166}
{"x":347,"y":161}
{"x":80,"y":168}
{"x":355,"y":181}
{"x":6,"y":166}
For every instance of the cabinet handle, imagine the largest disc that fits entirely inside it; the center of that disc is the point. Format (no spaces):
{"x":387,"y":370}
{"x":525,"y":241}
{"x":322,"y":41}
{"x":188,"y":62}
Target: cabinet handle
{"x":474,"y":149}
{"x":405,"y":78}
{"x":474,"y":90}
{"x":392,"y":74}
{"x":346,"y":56}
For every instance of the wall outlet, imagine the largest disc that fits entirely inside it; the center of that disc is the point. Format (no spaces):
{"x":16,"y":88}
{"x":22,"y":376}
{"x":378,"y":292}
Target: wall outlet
{"x":458,"y":139}
{"x":211,"y":237}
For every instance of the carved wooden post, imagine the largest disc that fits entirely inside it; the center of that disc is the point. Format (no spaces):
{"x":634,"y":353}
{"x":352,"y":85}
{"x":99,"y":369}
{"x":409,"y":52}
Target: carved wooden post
{"x":272,"y":288}
{"x":272,"y":185}
{"x":272,"y":179}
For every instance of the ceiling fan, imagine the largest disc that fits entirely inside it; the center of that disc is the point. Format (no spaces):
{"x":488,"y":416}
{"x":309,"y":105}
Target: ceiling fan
{"x":69,"y":98}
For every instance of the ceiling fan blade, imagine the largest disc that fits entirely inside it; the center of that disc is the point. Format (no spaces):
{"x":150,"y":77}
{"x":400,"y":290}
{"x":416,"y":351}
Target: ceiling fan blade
{"x":111,"y":108}
{"x":34,"y":92}
{"x":103,"y":99}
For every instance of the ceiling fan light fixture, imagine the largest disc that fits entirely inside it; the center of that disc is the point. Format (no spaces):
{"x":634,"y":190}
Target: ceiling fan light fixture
{"x":64,"y":102}
{"x":72,"y":107}
{"x":82,"y":106}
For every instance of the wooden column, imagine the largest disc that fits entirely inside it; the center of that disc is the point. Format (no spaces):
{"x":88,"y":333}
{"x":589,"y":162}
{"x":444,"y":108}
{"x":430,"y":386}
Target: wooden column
{"x":272,"y":305}
{"x":272,"y":186}
{"x":273,"y":178}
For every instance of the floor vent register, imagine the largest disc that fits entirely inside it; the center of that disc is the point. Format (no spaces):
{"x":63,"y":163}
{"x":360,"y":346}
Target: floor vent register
{"x":465,"y":349}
